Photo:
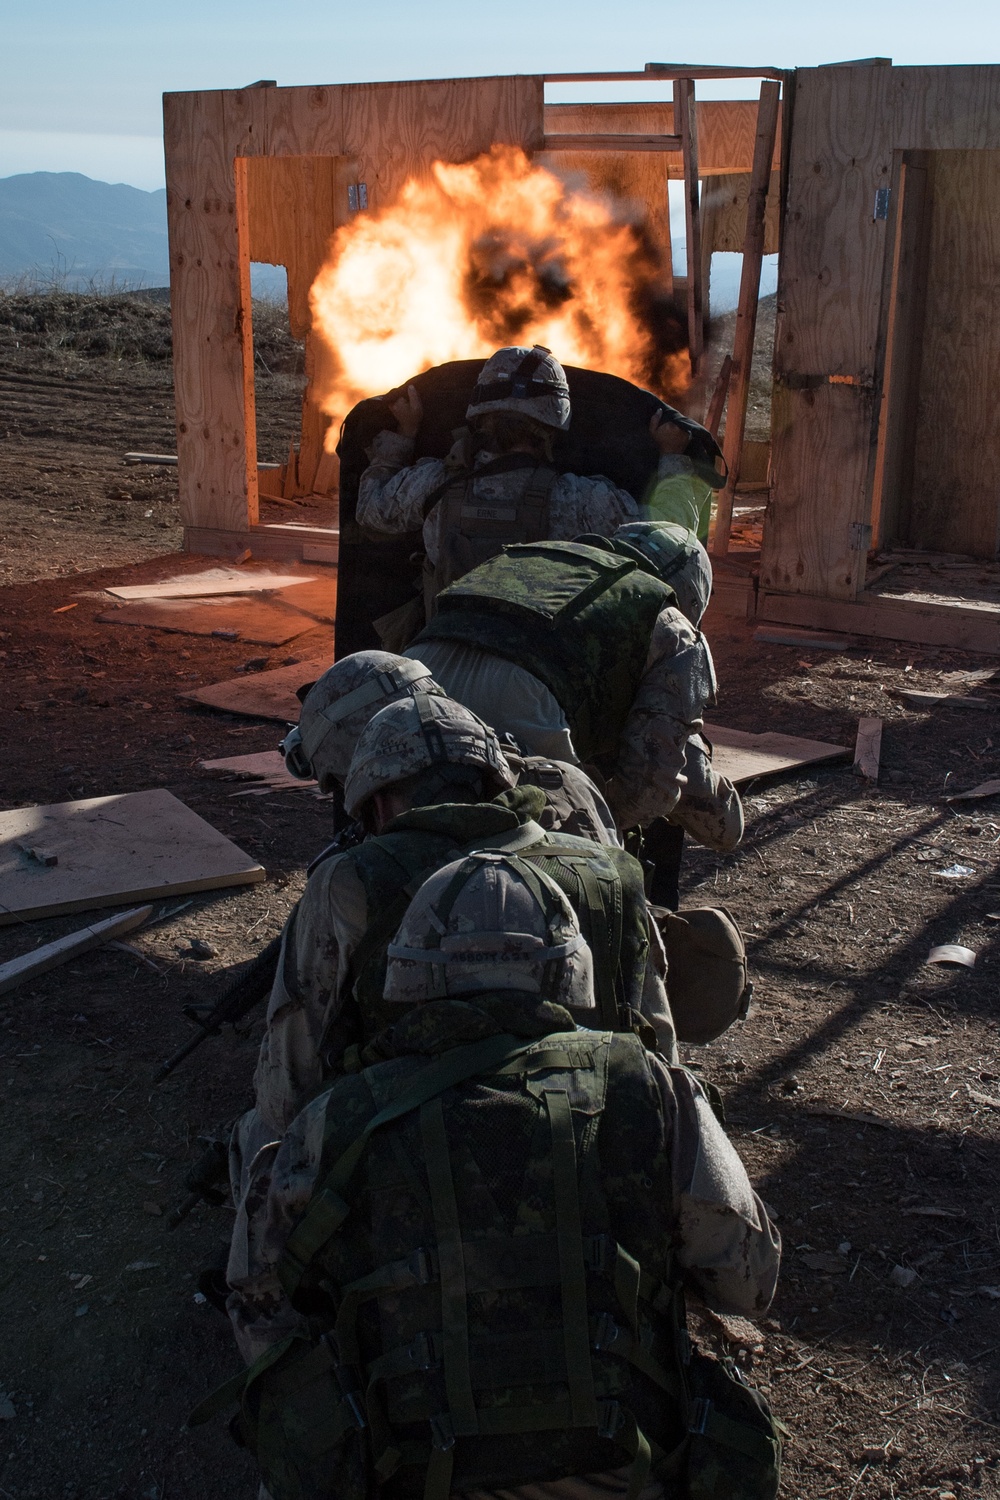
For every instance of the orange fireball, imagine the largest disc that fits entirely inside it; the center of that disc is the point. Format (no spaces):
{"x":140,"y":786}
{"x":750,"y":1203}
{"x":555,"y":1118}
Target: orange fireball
{"x":495,"y":251}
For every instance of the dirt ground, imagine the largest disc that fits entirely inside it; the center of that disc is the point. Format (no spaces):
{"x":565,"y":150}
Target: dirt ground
{"x":863,"y":1091}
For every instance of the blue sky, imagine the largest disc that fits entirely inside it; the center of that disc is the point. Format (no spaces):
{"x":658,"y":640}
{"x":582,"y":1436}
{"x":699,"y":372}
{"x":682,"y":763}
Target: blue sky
{"x":83,"y":82}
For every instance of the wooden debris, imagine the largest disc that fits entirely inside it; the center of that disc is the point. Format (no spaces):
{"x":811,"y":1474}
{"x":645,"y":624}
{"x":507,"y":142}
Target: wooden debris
{"x":933,"y":1213}
{"x":792,"y":635}
{"x":917,"y":698}
{"x":131,"y":847}
{"x":859,"y":1117}
{"x":744,"y":757}
{"x":44,"y":857}
{"x":867,"y":748}
{"x":51,"y":955}
{"x":152,"y":458}
{"x":262,"y":695}
{"x":979,"y":1098}
{"x":233,"y":619}
{"x":212,"y":581}
{"x":984,"y":789}
{"x":267,"y":766}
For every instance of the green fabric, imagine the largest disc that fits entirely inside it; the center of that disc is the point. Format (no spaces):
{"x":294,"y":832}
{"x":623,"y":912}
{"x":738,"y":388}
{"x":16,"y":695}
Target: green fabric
{"x":602,"y":883}
{"x":684,"y":500}
{"x":578,"y":617}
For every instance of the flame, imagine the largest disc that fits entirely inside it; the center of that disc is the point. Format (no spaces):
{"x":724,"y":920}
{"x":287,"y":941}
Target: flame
{"x":496,"y":251}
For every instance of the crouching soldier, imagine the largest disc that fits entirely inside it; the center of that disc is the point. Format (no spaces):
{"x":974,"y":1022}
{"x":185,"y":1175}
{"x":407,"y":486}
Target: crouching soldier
{"x":336,"y":708}
{"x":469,"y":1278}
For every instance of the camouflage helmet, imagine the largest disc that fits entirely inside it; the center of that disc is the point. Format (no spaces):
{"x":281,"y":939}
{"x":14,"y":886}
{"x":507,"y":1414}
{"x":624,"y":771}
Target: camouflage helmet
{"x":678,"y":557}
{"x":339,"y":705}
{"x":530,"y":381}
{"x":415,"y":734}
{"x":490,"y":922}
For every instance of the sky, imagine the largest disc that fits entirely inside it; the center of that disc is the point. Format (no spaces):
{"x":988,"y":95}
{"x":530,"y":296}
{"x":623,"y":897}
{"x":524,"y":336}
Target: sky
{"x":83,"y":82}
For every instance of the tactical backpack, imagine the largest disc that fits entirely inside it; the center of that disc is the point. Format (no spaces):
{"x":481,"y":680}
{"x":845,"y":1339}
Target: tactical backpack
{"x":602,"y":883}
{"x":478,"y":1326}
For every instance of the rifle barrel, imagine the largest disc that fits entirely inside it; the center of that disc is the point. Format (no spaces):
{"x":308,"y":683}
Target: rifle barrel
{"x":237,"y":999}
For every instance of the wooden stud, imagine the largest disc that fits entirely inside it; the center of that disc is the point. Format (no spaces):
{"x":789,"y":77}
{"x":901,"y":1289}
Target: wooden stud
{"x":726,"y":129}
{"x":717,"y":405}
{"x":746,"y":314}
{"x":686,"y":123}
{"x":30,"y":965}
{"x":588,"y":142}
{"x":868,"y":748}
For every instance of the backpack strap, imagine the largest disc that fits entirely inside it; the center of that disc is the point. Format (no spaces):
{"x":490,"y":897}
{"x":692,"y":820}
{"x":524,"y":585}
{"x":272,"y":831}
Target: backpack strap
{"x":327,"y":1210}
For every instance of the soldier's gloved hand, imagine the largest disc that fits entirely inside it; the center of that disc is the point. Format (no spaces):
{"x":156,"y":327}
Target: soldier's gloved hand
{"x":408,"y":411}
{"x":667,"y":436}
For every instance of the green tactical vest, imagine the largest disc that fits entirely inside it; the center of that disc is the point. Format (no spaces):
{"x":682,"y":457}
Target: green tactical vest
{"x":602,"y":883}
{"x":490,"y":1302}
{"x":577,"y":616}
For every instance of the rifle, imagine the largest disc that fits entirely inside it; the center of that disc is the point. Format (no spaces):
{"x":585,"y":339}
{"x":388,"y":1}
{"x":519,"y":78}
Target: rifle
{"x":254,"y":982}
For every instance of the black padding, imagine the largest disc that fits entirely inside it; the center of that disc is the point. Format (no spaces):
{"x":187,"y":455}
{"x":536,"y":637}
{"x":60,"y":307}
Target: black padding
{"x":608,"y":434}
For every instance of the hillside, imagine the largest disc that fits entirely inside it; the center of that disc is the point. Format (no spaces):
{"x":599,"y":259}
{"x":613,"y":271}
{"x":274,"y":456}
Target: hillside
{"x":64,"y":227}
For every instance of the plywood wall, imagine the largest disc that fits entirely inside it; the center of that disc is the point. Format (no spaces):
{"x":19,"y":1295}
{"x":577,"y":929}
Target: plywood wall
{"x":390,"y":130}
{"x":849,"y":126}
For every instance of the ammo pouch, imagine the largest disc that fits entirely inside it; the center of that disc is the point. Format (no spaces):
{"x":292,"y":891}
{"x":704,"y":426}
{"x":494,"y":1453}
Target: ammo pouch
{"x":734,"y":1440}
{"x":707,"y":982}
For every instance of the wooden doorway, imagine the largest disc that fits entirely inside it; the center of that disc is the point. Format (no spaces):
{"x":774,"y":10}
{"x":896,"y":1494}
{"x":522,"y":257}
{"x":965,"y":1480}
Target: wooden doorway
{"x":937,"y":487}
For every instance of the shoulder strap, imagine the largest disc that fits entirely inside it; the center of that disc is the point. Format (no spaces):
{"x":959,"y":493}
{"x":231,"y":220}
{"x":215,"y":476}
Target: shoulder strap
{"x":327,"y":1210}
{"x":535,"y":503}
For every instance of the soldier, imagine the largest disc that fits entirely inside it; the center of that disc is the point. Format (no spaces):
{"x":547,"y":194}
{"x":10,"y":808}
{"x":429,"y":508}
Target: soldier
{"x":469,"y":1276}
{"x":497,"y":485}
{"x":339,"y":704}
{"x":590,"y":651}
{"x":427,"y":780}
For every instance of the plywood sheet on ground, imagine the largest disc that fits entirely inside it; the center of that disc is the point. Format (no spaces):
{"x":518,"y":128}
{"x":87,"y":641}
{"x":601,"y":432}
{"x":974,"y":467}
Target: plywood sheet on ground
{"x":317,"y":598}
{"x":110,"y":850}
{"x":211,"y":581}
{"x":743,"y":757}
{"x":267,"y":766}
{"x":262,"y":695}
{"x":262,"y":624}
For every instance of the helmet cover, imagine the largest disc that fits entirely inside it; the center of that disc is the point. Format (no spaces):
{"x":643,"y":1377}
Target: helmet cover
{"x":529,"y":381}
{"x":678,"y":558}
{"x":490,"y":922}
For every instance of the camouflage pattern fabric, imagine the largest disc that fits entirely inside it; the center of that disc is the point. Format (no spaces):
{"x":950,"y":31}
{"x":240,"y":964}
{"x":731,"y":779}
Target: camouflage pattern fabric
{"x":573,"y":802}
{"x":658,"y":1172}
{"x":394,"y":491}
{"x":709,"y":809}
{"x":578,"y":617}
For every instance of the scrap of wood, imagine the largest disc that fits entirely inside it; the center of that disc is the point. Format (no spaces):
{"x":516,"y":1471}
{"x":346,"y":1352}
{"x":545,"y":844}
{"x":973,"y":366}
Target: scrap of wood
{"x":920,"y":699}
{"x":131,"y":847}
{"x":744,"y":757}
{"x":46,"y":857}
{"x":982,"y":1098}
{"x":51,"y":955}
{"x":859,"y":1117}
{"x":262,"y":695}
{"x":952,"y":953}
{"x":265,"y":765}
{"x":717,"y":405}
{"x":233,"y":619}
{"x":933,"y":1213}
{"x":151,"y":458}
{"x":791,"y":635}
{"x":867,"y":748}
{"x":211,"y":581}
{"x":984,"y":789}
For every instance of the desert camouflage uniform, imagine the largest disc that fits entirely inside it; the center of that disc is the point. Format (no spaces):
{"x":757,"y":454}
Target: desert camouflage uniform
{"x":709,"y":809}
{"x":718,"y":1226}
{"x":394,"y":490}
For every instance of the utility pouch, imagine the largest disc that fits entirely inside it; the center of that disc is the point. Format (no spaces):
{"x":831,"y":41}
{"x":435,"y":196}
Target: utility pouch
{"x":734,"y":1440}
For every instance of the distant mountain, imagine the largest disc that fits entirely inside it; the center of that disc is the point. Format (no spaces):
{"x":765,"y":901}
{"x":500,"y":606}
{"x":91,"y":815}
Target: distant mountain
{"x":66,"y":226}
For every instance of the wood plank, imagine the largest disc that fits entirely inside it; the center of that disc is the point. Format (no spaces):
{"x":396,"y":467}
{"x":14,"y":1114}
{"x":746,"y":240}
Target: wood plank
{"x":130,"y":847}
{"x":233,"y":618}
{"x":687,"y":126}
{"x":887,"y":618}
{"x":954,"y":499}
{"x":717,"y":405}
{"x":50,"y":955}
{"x":726,"y":129}
{"x":267,"y":766}
{"x":743,"y":757}
{"x":746,"y":314}
{"x":206,"y":312}
{"x":211,"y":581}
{"x":620,"y":142}
{"x":262,"y":695}
{"x":868,"y":748}
{"x":724,"y":218}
